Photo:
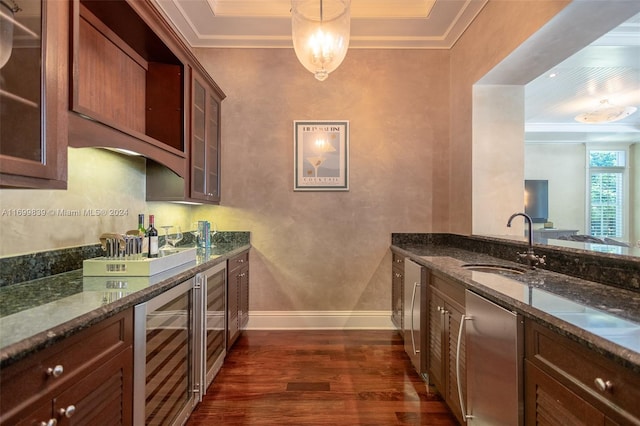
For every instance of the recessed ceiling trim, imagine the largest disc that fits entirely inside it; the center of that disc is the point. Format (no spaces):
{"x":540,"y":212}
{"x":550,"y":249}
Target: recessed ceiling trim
{"x":206,"y":23}
{"x":359,"y":8}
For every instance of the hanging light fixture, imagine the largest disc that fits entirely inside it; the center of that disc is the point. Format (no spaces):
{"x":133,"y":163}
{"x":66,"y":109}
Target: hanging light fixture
{"x":606,"y":113}
{"x":6,"y":30}
{"x":320,"y":30}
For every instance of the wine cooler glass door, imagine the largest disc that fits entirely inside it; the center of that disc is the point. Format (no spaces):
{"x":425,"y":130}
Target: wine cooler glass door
{"x":165,"y":391}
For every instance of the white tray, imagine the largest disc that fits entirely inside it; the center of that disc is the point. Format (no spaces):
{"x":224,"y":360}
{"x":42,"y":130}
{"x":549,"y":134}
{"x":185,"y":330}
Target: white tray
{"x":145,"y":267}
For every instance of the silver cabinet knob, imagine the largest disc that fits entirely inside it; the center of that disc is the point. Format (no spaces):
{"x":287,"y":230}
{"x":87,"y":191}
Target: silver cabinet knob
{"x":68,"y":412}
{"x":55,"y":371}
{"x":51,"y":422}
{"x":603,"y":385}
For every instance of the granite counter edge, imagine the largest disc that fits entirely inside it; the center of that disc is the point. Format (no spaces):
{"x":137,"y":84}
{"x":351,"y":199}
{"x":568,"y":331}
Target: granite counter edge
{"x":42,"y":340}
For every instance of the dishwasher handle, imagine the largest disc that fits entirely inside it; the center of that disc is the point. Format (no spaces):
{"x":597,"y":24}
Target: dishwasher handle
{"x":413,"y":304}
{"x":465,"y":416}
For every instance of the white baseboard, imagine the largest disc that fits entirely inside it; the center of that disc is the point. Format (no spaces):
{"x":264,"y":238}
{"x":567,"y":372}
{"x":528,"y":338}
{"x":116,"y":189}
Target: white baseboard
{"x":320,"y":320}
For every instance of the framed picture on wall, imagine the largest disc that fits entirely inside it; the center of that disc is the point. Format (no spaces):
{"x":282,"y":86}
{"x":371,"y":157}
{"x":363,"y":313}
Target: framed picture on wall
{"x":321,"y":155}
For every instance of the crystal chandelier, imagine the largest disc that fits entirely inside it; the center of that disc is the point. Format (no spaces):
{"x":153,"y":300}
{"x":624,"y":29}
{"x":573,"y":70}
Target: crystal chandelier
{"x":320,"y":31}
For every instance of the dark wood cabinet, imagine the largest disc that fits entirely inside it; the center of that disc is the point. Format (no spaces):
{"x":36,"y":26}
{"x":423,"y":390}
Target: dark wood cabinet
{"x":238,"y":296}
{"x":84,"y":379}
{"x":567,"y":383}
{"x":205,"y":140}
{"x":445,"y":303}
{"x":127,"y":81}
{"x":201,"y":182}
{"x":33,"y":103}
{"x":397,"y":292}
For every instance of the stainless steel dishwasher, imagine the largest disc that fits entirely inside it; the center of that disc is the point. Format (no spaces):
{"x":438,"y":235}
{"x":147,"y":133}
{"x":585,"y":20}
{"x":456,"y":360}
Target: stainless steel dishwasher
{"x":415,"y":311}
{"x":494,"y":357}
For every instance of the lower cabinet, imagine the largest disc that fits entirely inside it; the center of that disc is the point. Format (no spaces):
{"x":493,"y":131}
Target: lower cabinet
{"x":568,"y":384}
{"x":445,"y":303}
{"x":84,"y":379}
{"x":237,"y":296}
{"x":397,"y":292}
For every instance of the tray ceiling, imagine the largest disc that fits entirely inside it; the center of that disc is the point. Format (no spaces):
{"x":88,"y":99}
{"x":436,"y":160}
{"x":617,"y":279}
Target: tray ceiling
{"x":374,"y":23}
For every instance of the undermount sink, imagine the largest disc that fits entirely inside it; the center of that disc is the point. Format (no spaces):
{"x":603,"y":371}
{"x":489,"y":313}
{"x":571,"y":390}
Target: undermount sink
{"x":494,"y":269}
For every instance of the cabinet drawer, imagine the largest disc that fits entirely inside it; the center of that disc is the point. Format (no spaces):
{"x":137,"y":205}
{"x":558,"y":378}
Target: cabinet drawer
{"x":238,"y":261}
{"x":580,"y":369}
{"x":28,"y":380}
{"x":452,"y":290}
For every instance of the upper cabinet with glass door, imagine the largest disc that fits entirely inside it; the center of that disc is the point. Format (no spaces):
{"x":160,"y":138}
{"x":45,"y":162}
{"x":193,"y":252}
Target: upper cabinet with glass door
{"x":33,"y":93}
{"x":205,"y":140}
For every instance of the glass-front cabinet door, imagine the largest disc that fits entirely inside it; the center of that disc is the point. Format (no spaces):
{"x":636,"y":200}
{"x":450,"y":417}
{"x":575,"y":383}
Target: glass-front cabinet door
{"x":33,"y":93}
{"x":205,"y":141}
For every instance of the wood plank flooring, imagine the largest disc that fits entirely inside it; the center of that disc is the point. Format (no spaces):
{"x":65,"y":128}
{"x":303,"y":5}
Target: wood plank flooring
{"x":319,"y":378}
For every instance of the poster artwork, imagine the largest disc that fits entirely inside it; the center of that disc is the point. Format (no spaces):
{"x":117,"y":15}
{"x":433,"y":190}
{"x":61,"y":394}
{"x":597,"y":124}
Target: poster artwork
{"x":321,"y":155}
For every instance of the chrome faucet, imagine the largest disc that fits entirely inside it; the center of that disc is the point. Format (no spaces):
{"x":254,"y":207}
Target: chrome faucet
{"x":532,"y":259}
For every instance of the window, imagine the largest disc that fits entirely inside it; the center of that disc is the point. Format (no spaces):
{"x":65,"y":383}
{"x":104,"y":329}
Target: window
{"x":607,"y":170}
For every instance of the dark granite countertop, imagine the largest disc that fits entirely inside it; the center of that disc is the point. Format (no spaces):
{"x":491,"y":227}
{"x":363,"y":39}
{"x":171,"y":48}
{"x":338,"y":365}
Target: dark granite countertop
{"x":520,"y":292}
{"x":38,"y":313}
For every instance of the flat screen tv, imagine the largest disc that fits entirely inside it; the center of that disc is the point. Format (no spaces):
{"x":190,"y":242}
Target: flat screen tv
{"x":536,"y":200}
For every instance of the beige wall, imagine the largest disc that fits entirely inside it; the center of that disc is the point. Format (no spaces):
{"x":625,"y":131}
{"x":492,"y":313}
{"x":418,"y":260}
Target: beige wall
{"x":564,"y":166}
{"x":328,"y":250}
{"x":105,"y":192}
{"x":500,"y":28}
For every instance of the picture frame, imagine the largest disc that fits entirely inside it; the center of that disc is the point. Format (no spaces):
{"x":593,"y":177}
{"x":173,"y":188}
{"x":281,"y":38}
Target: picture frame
{"x":321,"y":155}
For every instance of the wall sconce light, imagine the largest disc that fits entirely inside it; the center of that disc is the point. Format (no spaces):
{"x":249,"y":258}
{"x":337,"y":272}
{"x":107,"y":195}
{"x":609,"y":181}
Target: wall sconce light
{"x":6,"y":30}
{"x":320,"y":30}
{"x":606,"y":113}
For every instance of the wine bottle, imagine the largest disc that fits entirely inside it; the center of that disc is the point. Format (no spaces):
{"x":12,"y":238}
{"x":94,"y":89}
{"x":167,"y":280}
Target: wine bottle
{"x":152,"y":235}
{"x":143,"y":233}
{"x":141,"y":224}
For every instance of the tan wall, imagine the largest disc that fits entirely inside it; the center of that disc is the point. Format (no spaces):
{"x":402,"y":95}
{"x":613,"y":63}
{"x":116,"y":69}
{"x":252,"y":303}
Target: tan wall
{"x":500,"y":28}
{"x":564,"y":166}
{"x":328,"y":250}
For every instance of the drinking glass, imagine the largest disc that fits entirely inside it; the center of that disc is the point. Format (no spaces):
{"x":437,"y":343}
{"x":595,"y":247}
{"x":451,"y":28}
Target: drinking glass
{"x":166,"y":245}
{"x":195,"y":232}
{"x":174,"y":239}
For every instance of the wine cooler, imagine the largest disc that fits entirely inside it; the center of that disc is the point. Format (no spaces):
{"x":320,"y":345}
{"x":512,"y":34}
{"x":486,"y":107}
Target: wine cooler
{"x":166,"y":367}
{"x":180,"y":345}
{"x":213,"y":283}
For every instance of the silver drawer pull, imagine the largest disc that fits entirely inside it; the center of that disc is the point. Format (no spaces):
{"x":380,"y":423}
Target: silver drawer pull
{"x":68,"y":412}
{"x":51,"y":422}
{"x":603,"y":385}
{"x":55,"y":371}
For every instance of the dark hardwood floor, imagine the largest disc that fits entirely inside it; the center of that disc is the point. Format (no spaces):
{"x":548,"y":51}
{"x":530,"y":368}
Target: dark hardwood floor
{"x":319,"y":378}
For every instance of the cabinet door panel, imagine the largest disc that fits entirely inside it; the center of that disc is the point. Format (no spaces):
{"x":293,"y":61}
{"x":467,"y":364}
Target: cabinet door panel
{"x":33,"y":134}
{"x":453,"y":318}
{"x":547,"y":402}
{"x":102,"y":397}
{"x":205,"y":141}
{"x":436,"y":331}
